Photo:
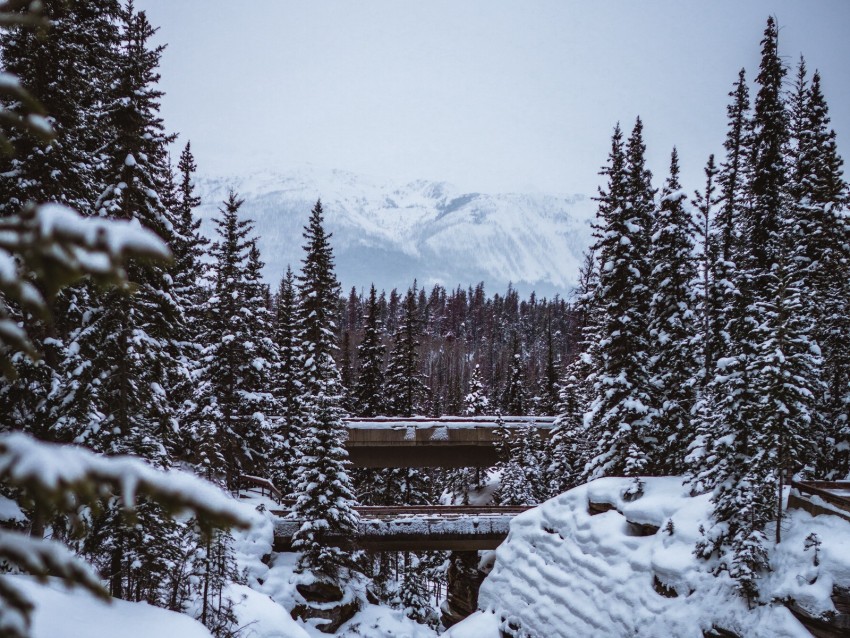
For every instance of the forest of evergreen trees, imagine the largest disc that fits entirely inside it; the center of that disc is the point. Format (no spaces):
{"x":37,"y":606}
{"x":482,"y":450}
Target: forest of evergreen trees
{"x":707,"y":337}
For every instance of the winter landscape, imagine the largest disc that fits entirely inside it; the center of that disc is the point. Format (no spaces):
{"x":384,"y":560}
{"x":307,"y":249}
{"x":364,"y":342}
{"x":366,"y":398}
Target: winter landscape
{"x":408,"y":341}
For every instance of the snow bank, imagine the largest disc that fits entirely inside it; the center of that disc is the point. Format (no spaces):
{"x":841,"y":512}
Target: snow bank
{"x":63,"y":613}
{"x":568,"y":570}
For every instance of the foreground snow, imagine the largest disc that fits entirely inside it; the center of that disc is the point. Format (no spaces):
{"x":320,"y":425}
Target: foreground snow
{"x":565,"y":572}
{"x":65,"y":613}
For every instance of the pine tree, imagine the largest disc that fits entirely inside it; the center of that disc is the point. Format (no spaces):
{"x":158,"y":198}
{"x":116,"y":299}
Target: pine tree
{"x":475,"y":403}
{"x":707,"y":325}
{"x":369,"y":390}
{"x":717,"y":405}
{"x":620,"y":404}
{"x":232,"y":401}
{"x":549,"y":389}
{"x":514,"y":399}
{"x":405,"y":390}
{"x":521,"y":459}
{"x":820,"y":196}
{"x":325,"y":497}
{"x":413,"y":596}
{"x":188,"y":245}
{"x":673,"y":363}
{"x":288,"y":385}
{"x":568,"y":448}
{"x":68,"y":67}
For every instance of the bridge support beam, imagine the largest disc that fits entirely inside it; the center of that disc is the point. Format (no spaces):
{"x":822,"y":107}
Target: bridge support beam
{"x":463,"y":582}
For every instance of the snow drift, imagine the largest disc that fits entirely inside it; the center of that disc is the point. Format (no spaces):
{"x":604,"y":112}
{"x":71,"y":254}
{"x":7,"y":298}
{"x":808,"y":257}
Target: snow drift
{"x":571,"y":568}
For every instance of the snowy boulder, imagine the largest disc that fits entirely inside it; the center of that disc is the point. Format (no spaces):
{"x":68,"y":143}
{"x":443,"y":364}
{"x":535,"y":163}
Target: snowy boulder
{"x":600,"y":561}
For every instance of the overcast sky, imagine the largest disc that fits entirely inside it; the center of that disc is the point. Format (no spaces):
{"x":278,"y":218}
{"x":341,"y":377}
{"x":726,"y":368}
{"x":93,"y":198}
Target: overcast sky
{"x":488,"y":94}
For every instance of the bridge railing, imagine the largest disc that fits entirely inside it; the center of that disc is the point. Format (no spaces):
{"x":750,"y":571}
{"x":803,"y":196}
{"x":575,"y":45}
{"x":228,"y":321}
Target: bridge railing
{"x":266,"y":487}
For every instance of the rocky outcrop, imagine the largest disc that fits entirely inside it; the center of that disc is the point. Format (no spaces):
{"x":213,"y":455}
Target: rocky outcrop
{"x":463,"y":581}
{"x":325,"y":602}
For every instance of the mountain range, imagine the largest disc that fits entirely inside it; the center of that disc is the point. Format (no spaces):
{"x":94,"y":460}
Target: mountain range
{"x":390,"y":232}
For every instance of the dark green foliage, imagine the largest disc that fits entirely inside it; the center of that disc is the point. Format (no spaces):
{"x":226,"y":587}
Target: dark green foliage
{"x":673,"y":364}
{"x":325,"y":497}
{"x":368,"y":392}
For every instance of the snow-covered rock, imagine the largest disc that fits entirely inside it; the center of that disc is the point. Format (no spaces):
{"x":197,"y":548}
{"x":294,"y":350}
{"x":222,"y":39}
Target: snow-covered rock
{"x":566,"y":570}
{"x":390,"y":232}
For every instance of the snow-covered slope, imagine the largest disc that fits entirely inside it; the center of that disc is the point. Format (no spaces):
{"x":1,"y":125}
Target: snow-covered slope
{"x":564,"y":571}
{"x":391,"y":232}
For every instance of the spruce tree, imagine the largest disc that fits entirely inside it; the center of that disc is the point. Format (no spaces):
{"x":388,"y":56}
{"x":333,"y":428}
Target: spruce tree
{"x":475,"y":403}
{"x":620,"y":403}
{"x":233,"y":401}
{"x":707,"y":327}
{"x":568,"y":448}
{"x":288,"y":386}
{"x":325,"y":497}
{"x":673,"y":362}
{"x":369,"y":390}
{"x":514,"y":398}
{"x":68,"y":67}
{"x":405,"y":390}
{"x":820,"y":197}
{"x":717,"y":405}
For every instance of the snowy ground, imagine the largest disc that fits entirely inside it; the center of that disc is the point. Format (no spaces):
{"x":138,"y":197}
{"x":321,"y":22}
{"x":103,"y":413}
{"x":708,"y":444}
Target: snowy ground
{"x":564,"y":572}
{"x":262,"y":606}
{"x":271,"y":594}
{"x":74,"y":613}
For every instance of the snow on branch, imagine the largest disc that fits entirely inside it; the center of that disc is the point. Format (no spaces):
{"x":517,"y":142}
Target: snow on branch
{"x":64,"y":473}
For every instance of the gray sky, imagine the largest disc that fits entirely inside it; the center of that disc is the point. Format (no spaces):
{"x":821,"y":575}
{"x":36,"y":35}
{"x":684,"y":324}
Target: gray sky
{"x":488,"y":94}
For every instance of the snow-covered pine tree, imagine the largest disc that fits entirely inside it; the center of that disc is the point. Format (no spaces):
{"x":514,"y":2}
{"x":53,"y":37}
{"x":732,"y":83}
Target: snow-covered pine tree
{"x":549,"y":389}
{"x":233,"y":398}
{"x":620,"y":403}
{"x":716,"y":409}
{"x":325,"y":498}
{"x":568,"y":447}
{"x":404,"y":389}
{"x":67,"y":67}
{"x":521,"y":461}
{"x":288,"y":387}
{"x":704,"y":203}
{"x":766,"y":381}
{"x":514,"y":396}
{"x":413,"y":595}
{"x":369,"y":390}
{"x":189,"y":245}
{"x":406,"y":393}
{"x":125,"y":361}
{"x":459,"y":481}
{"x":476,"y":403}
{"x":820,"y":197}
{"x":673,"y":364}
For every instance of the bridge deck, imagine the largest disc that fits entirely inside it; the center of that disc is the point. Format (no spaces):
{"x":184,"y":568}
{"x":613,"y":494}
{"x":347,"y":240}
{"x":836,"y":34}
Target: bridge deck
{"x":448,"y":441}
{"x":419,"y":528}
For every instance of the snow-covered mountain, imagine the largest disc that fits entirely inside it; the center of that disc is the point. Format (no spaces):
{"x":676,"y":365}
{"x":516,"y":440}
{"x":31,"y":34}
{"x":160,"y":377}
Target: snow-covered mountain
{"x":389,"y":232}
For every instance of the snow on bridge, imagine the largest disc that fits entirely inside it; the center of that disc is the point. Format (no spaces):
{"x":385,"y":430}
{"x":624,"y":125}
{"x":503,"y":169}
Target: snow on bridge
{"x":418,"y":528}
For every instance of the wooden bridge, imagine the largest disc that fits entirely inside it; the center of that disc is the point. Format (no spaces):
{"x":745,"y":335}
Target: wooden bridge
{"x":448,"y":441}
{"x":416,"y":528}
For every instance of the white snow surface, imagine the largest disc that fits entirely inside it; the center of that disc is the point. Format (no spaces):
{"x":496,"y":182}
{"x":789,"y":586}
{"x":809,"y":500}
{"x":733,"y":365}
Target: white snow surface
{"x":71,"y":613}
{"x":563,"y":572}
{"x":271,"y":592}
{"x":389,"y":232}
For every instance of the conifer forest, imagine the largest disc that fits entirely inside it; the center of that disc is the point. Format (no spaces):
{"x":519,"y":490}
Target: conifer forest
{"x":176,"y":428}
